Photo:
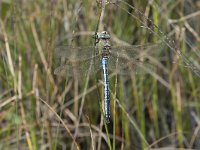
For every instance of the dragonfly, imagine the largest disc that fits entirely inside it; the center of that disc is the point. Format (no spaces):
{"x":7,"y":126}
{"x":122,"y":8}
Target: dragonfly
{"x":103,"y":57}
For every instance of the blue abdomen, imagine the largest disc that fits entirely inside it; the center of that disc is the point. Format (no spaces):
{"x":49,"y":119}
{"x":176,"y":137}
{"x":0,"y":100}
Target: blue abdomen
{"x":106,"y":89}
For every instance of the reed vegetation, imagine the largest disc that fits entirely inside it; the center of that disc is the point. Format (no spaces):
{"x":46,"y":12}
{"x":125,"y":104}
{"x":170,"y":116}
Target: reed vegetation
{"x":156,"y":108}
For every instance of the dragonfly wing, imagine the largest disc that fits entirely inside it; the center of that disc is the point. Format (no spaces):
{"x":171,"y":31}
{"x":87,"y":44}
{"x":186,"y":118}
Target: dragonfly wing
{"x":124,"y":66}
{"x":70,"y":52}
{"x":124,"y":60}
{"x":80,"y":67}
{"x":135,"y":51}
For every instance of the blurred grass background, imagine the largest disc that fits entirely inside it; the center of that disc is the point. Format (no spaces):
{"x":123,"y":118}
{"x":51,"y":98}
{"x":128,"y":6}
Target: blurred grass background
{"x":39,"y":110}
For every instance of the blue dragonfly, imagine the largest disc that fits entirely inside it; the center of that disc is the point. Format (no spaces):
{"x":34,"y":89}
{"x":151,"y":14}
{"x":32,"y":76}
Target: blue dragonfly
{"x":118,"y":59}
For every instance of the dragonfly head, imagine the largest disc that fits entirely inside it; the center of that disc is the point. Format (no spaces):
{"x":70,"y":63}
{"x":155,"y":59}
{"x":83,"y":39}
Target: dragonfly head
{"x":104,"y":35}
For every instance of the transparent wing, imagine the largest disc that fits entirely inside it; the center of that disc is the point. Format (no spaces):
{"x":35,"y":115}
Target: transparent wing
{"x":126,"y":66}
{"x":78,"y":53}
{"x":72,"y":67}
{"x":126,"y":59}
{"x":135,"y":50}
{"x":123,"y":59}
{"x":76,"y":60}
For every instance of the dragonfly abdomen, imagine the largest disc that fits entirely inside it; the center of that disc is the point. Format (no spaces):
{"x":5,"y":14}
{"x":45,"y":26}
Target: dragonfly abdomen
{"x":106,"y":89}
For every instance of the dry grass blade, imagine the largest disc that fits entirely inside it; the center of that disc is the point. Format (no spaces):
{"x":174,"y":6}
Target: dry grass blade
{"x":9,"y":100}
{"x":8,"y":52}
{"x":154,"y":98}
{"x":63,"y":123}
{"x":42,"y":56}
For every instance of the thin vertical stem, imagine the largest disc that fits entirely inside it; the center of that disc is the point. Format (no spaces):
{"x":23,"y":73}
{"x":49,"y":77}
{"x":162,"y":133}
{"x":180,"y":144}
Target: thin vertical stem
{"x":114,"y":109}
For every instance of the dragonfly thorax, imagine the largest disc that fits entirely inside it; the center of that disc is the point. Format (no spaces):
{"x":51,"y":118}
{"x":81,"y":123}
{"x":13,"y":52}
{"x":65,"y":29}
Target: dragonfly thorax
{"x":103,"y":43}
{"x":106,"y":50}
